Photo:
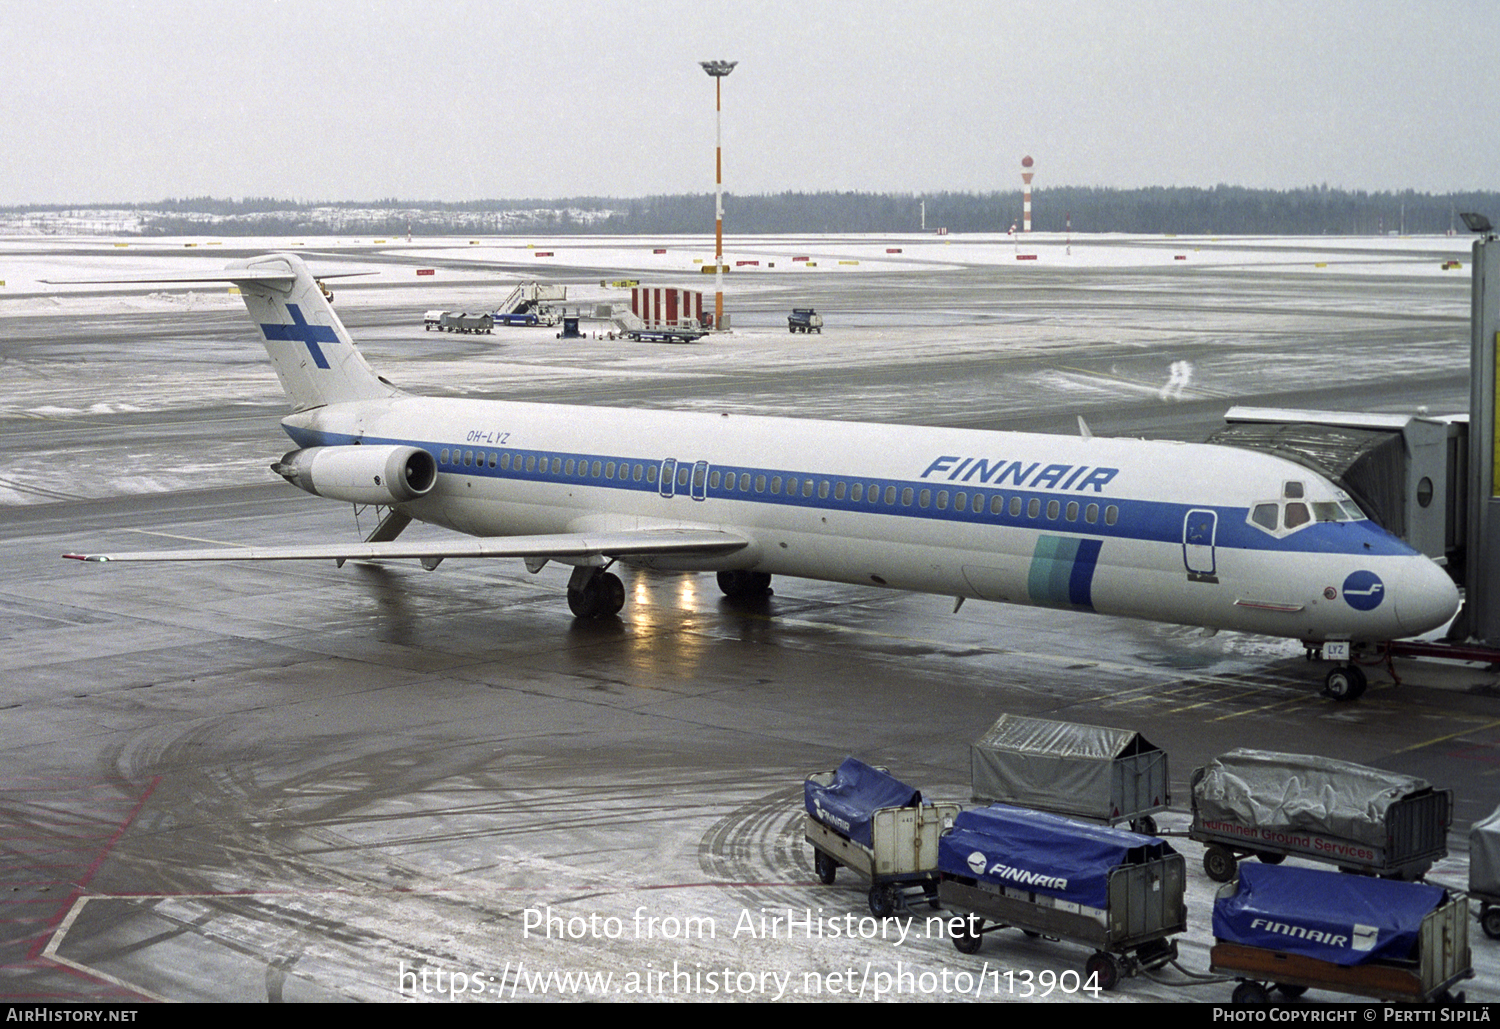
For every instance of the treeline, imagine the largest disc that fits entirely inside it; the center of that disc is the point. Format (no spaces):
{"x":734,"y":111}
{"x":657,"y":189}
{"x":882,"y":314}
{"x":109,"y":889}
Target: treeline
{"x":1220,"y":210}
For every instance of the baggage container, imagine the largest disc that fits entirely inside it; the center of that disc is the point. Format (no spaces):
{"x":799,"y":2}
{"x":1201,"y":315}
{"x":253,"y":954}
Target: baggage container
{"x":860,"y":817}
{"x":1365,"y":820}
{"x":1120,"y":892}
{"x":1083,"y":771}
{"x":1294,"y":929}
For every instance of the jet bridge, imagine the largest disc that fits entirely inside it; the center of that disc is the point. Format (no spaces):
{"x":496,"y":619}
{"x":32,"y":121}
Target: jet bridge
{"x":1434,"y":482}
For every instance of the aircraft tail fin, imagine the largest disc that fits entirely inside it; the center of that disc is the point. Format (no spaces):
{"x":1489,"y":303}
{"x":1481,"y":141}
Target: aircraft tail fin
{"x":313,"y":354}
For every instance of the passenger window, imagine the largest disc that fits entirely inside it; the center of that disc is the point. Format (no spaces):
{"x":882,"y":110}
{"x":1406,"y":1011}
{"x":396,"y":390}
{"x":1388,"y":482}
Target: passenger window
{"x":609,"y":470}
{"x":960,"y":501}
{"x":1072,"y":512}
{"x":841,"y":490}
{"x":531,"y":462}
{"x":997,"y":504}
{"x":1297,"y":515}
{"x":857,"y":492}
{"x":890,"y":496}
{"x":571,"y":466}
{"x":638,"y":472}
{"x":468,"y":458}
{"x":744,"y":482}
{"x":505,"y":461}
{"x":979,"y":503}
{"x":924,"y":499}
{"x":594,"y":469}
{"x":776,"y":485}
{"x":823,"y":490}
{"x":1091,"y":513}
{"x":713,"y":480}
{"x":1033,"y":507}
{"x":683,"y":471}
{"x":1111,"y":515}
{"x":760,"y":484}
{"x":942,"y":500}
{"x":1052,"y":508}
{"x":1015,"y":507}
{"x":907,"y":496}
{"x":443,"y":457}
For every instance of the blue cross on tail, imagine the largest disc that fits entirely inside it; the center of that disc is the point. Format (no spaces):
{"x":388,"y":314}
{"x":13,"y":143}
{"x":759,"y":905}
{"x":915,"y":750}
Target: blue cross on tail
{"x":312,"y":335}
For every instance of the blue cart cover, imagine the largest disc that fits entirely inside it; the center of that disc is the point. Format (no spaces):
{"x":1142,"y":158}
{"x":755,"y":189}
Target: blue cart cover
{"x":1345,"y":919}
{"x":1042,"y":853}
{"x":848,"y":803}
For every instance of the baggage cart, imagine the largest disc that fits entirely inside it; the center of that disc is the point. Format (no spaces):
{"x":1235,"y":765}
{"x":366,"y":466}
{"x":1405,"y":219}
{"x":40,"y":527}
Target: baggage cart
{"x":1081,"y":771}
{"x":1484,"y":871}
{"x":1364,"y":820}
{"x":860,"y":818}
{"x":1120,"y":892}
{"x":1295,"y":929}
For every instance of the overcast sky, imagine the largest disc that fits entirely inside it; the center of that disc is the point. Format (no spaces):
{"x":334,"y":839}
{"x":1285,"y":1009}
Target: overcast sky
{"x":461,"y":100}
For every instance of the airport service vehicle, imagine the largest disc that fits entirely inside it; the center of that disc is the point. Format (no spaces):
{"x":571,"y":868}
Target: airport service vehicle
{"x":462,"y":321}
{"x":1294,"y":929}
{"x":1119,"y":892}
{"x":860,"y":817}
{"x":666,"y":335}
{"x":432,"y":320}
{"x":1174,"y":532}
{"x":804,"y":319}
{"x":1484,"y":871}
{"x":1364,"y":820}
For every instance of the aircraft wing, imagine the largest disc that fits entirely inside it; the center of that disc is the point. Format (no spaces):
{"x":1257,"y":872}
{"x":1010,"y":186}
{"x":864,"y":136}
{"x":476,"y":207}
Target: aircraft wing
{"x":623,"y":544}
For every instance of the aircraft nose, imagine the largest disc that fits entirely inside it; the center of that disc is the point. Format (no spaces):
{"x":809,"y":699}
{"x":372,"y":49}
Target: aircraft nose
{"x":1427,"y":600}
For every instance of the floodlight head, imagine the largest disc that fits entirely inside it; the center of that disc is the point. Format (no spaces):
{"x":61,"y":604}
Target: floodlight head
{"x":1476,"y":222}
{"x":718,"y":69}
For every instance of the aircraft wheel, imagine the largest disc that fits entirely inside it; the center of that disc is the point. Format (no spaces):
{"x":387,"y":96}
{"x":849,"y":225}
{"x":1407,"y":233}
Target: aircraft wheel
{"x":613,"y":592}
{"x":601,"y":595}
{"x":1345,"y":683}
{"x":743,"y":584}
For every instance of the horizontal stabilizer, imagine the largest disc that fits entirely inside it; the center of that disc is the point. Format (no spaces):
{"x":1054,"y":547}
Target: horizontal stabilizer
{"x":627,"y":544}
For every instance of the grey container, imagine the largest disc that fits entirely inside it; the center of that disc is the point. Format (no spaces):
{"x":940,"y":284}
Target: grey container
{"x":1082,"y":771}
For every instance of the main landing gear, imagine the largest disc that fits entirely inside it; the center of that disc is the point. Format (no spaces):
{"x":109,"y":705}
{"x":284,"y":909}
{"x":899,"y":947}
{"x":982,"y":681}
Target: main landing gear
{"x":743,"y":585}
{"x":595,"y":593}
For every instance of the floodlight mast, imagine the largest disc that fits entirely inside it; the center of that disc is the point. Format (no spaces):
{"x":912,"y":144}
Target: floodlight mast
{"x":717,"y":70}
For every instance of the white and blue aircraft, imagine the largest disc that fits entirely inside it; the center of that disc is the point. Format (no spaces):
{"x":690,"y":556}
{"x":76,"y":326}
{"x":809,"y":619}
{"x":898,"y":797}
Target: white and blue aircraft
{"x":1175,"y":532}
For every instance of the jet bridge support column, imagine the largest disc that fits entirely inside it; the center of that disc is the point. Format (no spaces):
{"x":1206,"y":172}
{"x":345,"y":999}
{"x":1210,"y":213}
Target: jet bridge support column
{"x":1480,"y":619}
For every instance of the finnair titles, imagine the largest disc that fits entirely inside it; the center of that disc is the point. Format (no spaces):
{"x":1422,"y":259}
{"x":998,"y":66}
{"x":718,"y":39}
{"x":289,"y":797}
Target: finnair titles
{"x":1185,"y":533}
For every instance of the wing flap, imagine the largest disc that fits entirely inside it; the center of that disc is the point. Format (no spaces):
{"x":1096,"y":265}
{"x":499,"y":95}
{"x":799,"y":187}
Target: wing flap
{"x":620,"y":544}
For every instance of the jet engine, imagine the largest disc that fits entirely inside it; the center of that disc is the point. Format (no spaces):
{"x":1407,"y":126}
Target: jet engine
{"x":359,"y":474}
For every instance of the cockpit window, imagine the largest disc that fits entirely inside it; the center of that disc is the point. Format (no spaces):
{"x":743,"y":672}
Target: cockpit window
{"x":1288,"y":515}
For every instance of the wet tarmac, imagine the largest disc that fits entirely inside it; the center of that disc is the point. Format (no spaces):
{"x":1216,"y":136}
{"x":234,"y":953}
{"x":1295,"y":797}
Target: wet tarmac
{"x":298,"y":782}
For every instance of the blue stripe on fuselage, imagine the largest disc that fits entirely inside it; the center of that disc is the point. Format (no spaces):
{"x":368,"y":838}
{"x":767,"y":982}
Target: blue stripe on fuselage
{"x":1144,"y":520}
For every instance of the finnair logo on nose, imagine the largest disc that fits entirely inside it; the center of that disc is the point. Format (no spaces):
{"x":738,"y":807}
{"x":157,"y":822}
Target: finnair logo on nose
{"x":1364,"y":590}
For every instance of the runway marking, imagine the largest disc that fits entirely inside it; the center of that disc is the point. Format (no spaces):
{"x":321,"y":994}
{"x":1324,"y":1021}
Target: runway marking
{"x":190,"y":539}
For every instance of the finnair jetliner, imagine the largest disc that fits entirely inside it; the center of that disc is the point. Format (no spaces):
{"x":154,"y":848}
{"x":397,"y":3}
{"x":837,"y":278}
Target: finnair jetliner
{"x":1175,"y":532}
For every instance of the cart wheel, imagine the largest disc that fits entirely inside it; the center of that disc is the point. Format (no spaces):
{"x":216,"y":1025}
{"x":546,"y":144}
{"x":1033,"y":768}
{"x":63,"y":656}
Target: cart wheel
{"x":882,"y":901}
{"x":1267,"y":858}
{"x":826,"y":867}
{"x":966,"y":936}
{"x":1219,"y":863}
{"x":1251,"y":993}
{"x":1103,"y":970}
{"x":1291,"y":989}
{"x":1489,"y":921}
{"x":1145,"y":825}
